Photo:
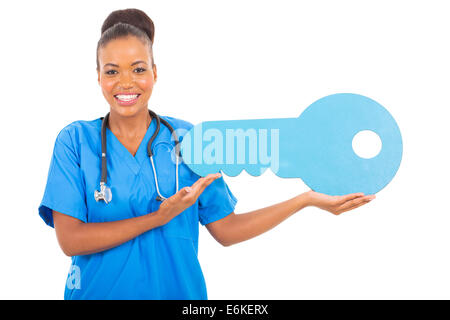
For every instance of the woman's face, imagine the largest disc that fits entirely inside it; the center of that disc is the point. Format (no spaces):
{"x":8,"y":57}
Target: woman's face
{"x":125,"y":71}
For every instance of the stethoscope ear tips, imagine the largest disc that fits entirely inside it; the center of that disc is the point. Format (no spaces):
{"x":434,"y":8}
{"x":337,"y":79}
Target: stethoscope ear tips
{"x":159,"y":198}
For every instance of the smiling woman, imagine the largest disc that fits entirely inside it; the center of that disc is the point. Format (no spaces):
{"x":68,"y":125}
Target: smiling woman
{"x":132,"y":245}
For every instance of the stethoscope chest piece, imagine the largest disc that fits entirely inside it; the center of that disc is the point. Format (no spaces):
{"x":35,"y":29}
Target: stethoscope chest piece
{"x":104,"y":194}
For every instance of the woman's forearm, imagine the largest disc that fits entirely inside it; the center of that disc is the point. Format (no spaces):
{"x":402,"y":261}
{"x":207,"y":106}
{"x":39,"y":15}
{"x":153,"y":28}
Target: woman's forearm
{"x":245,"y":226}
{"x":87,"y":238}
{"x":78,"y":238}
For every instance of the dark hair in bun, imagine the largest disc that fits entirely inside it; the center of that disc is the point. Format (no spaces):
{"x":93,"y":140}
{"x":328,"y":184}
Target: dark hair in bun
{"x":124,"y":23}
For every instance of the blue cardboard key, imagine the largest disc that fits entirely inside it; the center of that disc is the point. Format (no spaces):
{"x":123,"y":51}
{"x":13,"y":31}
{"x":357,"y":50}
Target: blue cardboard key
{"x":316,"y":146}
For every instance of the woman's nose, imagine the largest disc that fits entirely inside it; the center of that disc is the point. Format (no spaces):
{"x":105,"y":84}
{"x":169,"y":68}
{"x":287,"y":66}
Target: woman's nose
{"x":126,"y":80}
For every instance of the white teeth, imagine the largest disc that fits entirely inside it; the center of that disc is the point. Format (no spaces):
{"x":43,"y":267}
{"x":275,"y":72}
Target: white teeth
{"x":126,"y":97}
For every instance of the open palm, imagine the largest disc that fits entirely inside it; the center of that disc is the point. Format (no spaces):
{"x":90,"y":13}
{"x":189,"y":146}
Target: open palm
{"x":338,"y":204}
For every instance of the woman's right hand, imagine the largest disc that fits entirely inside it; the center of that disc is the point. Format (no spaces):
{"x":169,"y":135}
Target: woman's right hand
{"x":184,"y":198}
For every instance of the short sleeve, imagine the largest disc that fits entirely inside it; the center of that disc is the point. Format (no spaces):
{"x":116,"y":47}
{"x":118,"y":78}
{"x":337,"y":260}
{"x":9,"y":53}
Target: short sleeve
{"x":216,"y":202}
{"x":64,"y":191}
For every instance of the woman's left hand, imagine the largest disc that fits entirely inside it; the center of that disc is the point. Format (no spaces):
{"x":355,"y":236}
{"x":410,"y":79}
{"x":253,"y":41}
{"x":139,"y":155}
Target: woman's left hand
{"x":338,"y":204}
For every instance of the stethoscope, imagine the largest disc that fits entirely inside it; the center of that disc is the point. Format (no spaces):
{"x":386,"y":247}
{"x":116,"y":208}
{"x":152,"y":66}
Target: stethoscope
{"x":105,"y":192}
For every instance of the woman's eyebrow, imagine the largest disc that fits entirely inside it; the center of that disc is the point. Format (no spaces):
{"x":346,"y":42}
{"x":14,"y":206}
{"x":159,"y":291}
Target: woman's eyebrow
{"x":115,"y":65}
{"x":139,"y":61}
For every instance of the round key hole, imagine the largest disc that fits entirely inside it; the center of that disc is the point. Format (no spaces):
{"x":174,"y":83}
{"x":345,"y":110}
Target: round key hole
{"x":366,"y":144}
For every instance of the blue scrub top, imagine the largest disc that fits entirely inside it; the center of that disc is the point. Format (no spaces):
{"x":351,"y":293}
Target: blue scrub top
{"x":161,"y":263}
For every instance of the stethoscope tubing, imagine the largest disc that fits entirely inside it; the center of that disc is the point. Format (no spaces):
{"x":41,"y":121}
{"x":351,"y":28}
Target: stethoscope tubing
{"x":104,"y":170}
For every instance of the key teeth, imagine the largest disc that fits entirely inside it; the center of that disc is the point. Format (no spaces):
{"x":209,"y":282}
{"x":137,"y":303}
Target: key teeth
{"x":255,"y":172}
{"x":232,"y":172}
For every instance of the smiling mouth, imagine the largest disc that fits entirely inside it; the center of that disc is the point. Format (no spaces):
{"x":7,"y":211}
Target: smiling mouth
{"x":126,"y":99}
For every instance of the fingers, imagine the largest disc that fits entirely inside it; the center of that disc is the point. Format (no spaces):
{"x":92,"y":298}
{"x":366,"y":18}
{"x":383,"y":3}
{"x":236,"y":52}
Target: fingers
{"x":185,"y":197}
{"x":205,"y":181}
{"x":190,"y":194}
{"x":199,"y":186}
{"x":211,"y":179}
{"x":351,"y":196}
{"x":355,"y":203}
{"x":355,"y":206}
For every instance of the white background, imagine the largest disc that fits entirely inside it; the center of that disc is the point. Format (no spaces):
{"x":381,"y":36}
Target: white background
{"x":221,"y":60}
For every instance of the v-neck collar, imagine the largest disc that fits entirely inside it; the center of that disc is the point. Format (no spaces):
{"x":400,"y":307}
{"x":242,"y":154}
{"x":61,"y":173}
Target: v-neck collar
{"x":134,"y":162}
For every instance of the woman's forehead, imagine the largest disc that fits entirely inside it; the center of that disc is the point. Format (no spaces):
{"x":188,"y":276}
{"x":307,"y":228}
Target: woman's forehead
{"x":124,"y":51}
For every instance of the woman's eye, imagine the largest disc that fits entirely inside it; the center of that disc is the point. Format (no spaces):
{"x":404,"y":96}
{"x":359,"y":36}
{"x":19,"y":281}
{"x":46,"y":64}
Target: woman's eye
{"x":137,"y":70}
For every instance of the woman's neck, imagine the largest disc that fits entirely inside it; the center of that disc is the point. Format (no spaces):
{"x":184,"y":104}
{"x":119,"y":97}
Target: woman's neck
{"x":129,"y":127}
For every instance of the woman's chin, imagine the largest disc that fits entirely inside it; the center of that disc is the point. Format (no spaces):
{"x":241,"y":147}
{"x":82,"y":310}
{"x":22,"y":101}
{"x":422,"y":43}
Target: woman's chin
{"x":128,"y":111}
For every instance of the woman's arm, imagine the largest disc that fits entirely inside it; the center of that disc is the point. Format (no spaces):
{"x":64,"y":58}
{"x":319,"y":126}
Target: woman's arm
{"x":78,"y":238}
{"x":236,"y":228}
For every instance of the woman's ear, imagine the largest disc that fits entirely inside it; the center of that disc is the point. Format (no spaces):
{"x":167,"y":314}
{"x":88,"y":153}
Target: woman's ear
{"x":155,"y":73}
{"x":98,"y":76}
